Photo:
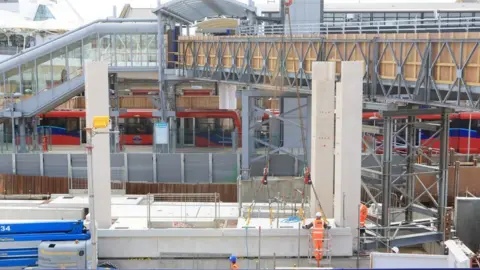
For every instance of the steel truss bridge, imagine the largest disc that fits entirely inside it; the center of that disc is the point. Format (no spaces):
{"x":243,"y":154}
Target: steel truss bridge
{"x":406,"y":74}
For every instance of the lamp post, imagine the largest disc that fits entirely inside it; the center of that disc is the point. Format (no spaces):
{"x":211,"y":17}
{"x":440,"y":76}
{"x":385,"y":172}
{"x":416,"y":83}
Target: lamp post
{"x":99,"y":122}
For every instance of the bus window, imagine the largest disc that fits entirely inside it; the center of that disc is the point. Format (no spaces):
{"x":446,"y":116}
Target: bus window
{"x":72,"y":124}
{"x":138,"y":126}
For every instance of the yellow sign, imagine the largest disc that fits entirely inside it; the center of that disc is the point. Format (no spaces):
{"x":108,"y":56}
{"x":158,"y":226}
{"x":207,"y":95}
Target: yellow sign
{"x":100,"y":121}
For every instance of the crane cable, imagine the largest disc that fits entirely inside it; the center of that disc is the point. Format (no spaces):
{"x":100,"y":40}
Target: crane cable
{"x":302,"y":130}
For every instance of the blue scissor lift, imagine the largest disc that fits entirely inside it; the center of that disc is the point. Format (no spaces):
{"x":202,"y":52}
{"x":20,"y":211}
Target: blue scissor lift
{"x":19,"y":241}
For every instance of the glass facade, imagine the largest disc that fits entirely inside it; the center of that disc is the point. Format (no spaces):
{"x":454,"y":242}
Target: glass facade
{"x":338,"y":17}
{"x":66,"y":63}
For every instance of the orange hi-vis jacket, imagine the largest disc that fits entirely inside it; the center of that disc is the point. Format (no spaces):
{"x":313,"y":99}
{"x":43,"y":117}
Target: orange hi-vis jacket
{"x":234,"y":266}
{"x":363,"y":215}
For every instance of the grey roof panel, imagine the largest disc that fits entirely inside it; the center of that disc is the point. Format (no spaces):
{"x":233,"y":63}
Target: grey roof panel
{"x":196,"y":10}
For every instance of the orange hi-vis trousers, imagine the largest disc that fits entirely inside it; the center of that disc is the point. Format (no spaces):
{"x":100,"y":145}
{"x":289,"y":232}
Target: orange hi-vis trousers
{"x":317,"y":237}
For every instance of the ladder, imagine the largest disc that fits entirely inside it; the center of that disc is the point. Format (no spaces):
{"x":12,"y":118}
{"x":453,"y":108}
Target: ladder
{"x":326,"y":250}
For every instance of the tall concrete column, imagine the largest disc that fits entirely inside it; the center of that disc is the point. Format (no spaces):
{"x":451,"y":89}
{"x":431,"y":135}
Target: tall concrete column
{"x":348,"y":145}
{"x":97,"y":104}
{"x":23,"y":144}
{"x":322,"y":136}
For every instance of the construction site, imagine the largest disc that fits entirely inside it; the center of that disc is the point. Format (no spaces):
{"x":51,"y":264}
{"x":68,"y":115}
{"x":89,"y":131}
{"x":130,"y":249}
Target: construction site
{"x":213,"y":135}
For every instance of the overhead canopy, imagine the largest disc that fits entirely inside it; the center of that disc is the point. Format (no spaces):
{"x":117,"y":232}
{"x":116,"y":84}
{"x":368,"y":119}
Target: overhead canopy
{"x":190,"y":11}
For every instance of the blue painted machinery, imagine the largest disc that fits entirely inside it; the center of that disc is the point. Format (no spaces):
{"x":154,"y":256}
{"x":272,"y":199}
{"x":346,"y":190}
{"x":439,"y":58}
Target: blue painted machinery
{"x":62,"y":244}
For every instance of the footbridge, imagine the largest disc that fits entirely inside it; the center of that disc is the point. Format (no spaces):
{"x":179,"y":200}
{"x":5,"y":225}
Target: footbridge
{"x":45,"y":76}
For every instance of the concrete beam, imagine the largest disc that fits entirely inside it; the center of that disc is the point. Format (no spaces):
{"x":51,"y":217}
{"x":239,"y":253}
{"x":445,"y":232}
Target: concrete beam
{"x":348,"y":145}
{"x":322,"y":136}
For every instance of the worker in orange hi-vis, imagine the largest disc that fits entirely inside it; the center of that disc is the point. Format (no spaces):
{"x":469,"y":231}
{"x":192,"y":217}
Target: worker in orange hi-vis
{"x":233,"y":262}
{"x":317,"y":236}
{"x":363,"y":218}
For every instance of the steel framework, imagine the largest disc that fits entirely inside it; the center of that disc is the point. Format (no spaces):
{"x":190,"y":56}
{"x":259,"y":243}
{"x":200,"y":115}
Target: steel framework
{"x":440,"y":69}
{"x":403,"y":72}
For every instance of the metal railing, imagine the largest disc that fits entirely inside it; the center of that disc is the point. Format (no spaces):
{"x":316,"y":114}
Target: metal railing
{"x":372,"y":27}
{"x":10,"y":50}
{"x":80,"y":186}
{"x":187,"y":206}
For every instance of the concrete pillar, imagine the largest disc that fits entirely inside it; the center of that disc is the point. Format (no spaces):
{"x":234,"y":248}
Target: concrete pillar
{"x":322,"y":140}
{"x":227,"y":96}
{"x":97,"y":100}
{"x":23,"y":145}
{"x":348,"y":145}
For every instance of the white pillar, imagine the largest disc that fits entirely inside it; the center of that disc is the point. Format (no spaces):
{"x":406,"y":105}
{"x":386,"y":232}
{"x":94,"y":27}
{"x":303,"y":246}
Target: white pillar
{"x":227,"y":96}
{"x":322,"y":140}
{"x":348,"y":145}
{"x":97,"y":104}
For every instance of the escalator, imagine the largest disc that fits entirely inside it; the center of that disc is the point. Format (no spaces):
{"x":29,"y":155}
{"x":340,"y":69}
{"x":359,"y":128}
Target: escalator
{"x":43,"y":77}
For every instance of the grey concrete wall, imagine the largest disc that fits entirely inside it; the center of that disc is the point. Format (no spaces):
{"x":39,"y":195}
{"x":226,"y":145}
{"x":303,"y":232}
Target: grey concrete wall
{"x":467,"y":220}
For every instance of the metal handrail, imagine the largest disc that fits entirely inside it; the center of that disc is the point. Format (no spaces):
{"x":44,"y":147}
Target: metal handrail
{"x":78,"y":29}
{"x":414,"y":25}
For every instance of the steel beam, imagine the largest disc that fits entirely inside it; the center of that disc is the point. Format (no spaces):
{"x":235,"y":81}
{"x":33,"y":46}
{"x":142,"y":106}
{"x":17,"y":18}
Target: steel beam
{"x":408,"y":240}
{"x":387,"y":171}
{"x":413,"y":112}
{"x":247,"y":135}
{"x":380,"y":106}
{"x":443,"y":170}
{"x":372,"y":129}
{"x":411,"y":159}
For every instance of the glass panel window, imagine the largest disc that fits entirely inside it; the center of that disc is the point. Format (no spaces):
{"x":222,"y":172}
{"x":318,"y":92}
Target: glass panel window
{"x":89,"y":48}
{"x":12,"y":81}
{"x":75,"y":59}
{"x":136,"y":50}
{"x":152,"y":50}
{"x":29,"y":80}
{"x":122,"y":51}
{"x":105,"y":48}
{"x":44,"y":73}
{"x":59,"y":67}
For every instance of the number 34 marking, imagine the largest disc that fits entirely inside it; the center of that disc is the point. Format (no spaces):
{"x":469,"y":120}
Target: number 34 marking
{"x":4,"y":228}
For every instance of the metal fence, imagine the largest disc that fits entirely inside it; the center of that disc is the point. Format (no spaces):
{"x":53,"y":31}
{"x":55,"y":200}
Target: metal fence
{"x":189,"y":168}
{"x":32,"y":142}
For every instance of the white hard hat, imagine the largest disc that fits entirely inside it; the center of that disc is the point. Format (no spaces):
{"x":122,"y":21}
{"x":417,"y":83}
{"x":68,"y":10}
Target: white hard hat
{"x":395,"y":249}
{"x":318,"y":214}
